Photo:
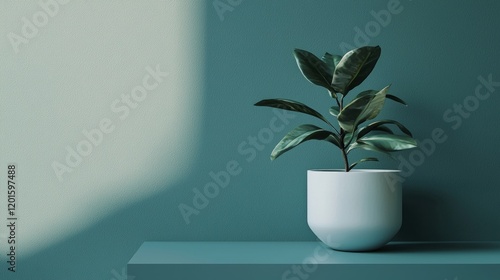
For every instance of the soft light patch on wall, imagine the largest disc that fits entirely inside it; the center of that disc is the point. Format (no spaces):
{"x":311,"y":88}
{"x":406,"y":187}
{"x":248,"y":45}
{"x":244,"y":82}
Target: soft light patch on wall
{"x":99,"y":106}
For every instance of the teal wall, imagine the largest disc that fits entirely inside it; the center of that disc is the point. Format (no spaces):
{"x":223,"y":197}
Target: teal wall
{"x":438,"y":57}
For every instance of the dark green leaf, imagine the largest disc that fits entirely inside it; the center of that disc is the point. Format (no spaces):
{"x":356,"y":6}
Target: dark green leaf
{"x":397,"y":99}
{"x":297,"y":136}
{"x":331,"y":60}
{"x":368,"y":147}
{"x":347,"y":138}
{"x":389,"y":142}
{"x":334,"y":139}
{"x":362,"y":160}
{"x":313,"y":68}
{"x":291,"y":105}
{"x":388,"y":96}
{"x":380,"y":124}
{"x":383,"y":128}
{"x":334,"y":111}
{"x":361,"y":109}
{"x":354,"y":68}
{"x":366,"y":92}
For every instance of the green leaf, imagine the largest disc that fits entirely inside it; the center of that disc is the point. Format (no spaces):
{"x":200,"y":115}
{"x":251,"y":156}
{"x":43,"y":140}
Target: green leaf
{"x":331,"y":60}
{"x":367,"y":147}
{"x":366,"y":93}
{"x":383,"y":128}
{"x":388,"y":96}
{"x":291,"y":105}
{"x":389,"y":142}
{"x":361,"y":109}
{"x":354,"y":68}
{"x":347,"y":138}
{"x":380,"y":124}
{"x":313,"y":68}
{"x":395,"y":98}
{"x":297,"y":136}
{"x":334,"y":139}
{"x":334,"y":111}
{"x":362,"y":160}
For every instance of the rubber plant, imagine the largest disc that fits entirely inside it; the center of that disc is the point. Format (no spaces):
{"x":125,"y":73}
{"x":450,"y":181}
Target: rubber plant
{"x":339,"y":75}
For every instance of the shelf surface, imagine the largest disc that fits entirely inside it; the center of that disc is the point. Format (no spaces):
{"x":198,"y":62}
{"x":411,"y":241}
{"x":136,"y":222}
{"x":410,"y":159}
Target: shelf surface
{"x":299,"y":260}
{"x":296,"y":252}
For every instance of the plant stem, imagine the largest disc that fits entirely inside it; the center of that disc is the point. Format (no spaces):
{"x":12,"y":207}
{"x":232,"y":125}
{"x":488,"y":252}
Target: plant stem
{"x":343,"y":150}
{"x":342,"y":136}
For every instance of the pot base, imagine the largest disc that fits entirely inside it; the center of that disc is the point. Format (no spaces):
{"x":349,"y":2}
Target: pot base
{"x":356,"y":240}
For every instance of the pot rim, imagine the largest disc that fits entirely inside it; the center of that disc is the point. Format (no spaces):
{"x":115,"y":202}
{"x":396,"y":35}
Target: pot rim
{"x":355,"y":170}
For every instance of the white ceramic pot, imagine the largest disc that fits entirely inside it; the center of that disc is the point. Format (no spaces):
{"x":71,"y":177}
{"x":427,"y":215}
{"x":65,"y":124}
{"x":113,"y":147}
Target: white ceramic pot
{"x":359,"y":210}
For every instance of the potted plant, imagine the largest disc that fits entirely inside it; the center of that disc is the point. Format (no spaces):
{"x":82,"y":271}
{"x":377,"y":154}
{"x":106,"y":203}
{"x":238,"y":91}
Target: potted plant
{"x":349,"y":209}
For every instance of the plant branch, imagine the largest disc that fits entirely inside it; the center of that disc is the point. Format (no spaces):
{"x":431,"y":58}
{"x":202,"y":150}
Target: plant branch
{"x":342,"y":134}
{"x":343,"y":150}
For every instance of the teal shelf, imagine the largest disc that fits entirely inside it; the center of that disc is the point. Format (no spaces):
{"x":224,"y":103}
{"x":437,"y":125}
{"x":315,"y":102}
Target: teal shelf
{"x":312,"y":260}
